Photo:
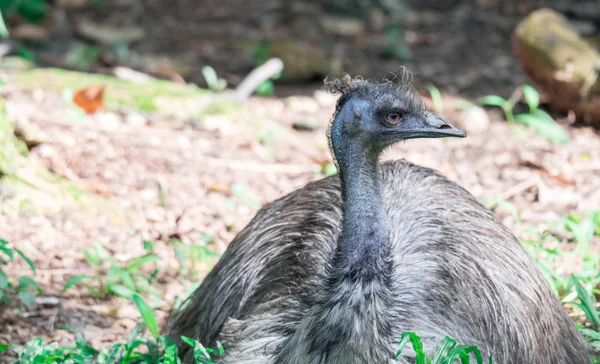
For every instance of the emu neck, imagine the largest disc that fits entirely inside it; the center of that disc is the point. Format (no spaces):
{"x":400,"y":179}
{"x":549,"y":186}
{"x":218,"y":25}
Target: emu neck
{"x":363,"y":244}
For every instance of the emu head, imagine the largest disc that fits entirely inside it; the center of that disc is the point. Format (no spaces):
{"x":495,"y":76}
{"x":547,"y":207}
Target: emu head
{"x":370,"y":117}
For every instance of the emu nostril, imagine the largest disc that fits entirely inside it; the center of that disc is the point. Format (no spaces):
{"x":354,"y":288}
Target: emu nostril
{"x":445,"y":126}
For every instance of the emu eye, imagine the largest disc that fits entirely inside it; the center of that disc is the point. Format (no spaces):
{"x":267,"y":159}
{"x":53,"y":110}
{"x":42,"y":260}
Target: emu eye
{"x":393,"y":118}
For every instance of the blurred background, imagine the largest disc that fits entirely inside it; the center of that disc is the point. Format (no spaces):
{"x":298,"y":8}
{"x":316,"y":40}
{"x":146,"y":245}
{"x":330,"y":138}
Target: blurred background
{"x":137,"y":138}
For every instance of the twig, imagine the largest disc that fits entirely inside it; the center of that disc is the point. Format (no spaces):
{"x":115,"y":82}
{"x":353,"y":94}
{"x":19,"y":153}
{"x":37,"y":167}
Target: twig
{"x":52,"y":320}
{"x":520,"y":187}
{"x":255,"y":78}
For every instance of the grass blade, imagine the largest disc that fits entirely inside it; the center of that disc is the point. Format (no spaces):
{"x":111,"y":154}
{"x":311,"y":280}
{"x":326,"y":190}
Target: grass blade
{"x":531,"y":97}
{"x":147,"y":314}
{"x":73,"y":281}
{"x":27,"y":260}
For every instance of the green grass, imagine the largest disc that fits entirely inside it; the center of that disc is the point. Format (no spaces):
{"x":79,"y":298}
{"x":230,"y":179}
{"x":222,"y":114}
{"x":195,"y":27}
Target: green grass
{"x":139,"y":348}
{"x":123,"y":279}
{"x":23,"y":288}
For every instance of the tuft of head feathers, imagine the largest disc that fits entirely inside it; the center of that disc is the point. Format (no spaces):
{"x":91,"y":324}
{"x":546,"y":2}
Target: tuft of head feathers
{"x":397,"y":92}
{"x":399,"y":88}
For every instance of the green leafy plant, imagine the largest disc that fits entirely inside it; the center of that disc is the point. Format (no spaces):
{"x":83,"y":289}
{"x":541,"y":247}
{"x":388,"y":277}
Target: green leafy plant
{"x":214,"y":83}
{"x":267,"y":88}
{"x":25,"y":287}
{"x":189,"y":255}
{"x":137,"y":349}
{"x":589,"y":306}
{"x":446,"y":352}
{"x":119,"y":279}
{"x":493,"y":202}
{"x":548,"y":248}
{"x":31,"y":10}
{"x":535,"y":118}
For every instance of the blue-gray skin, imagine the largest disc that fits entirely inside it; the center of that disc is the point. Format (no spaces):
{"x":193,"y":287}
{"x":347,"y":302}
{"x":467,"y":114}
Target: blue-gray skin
{"x":335,"y":271}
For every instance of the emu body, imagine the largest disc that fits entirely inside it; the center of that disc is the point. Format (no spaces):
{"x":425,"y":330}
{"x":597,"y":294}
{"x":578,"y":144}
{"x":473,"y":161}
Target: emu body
{"x":336,"y":271}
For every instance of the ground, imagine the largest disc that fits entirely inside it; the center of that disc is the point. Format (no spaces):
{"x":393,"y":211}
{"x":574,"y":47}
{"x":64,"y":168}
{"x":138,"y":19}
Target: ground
{"x":201,"y":179}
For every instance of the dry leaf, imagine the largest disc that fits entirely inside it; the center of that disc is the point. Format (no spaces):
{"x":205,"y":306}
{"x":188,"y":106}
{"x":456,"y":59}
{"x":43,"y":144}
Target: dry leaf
{"x":90,"y":98}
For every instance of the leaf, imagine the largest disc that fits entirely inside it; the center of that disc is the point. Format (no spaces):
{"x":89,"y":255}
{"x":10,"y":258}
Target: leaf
{"x":210,"y":75}
{"x":136,"y":263}
{"x":170,"y":355}
{"x":587,"y":302}
{"x":3,"y":347}
{"x":26,"y":259}
{"x":114,"y":354}
{"x":417,"y":345}
{"x":73,"y":281}
{"x":265,"y":89}
{"x":121,"y":290}
{"x":8,"y":252}
{"x":147,"y":314}
{"x":582,"y":230}
{"x":92,"y":257}
{"x":214,"y":83}
{"x":329,"y":170}
{"x":3,"y":280}
{"x":436,"y":97}
{"x":544,"y":126}
{"x":531,"y":97}
{"x":463,"y":352}
{"x":27,"y":297}
{"x":148,"y":246}
{"x":161,"y":196}
{"x":25,"y":282}
{"x":492,"y":100}
{"x":3,"y":29}
{"x":90,"y":99}
{"x":122,"y":275}
{"x":494,"y":202}
{"x":220,"y":348}
{"x":442,"y":350}
{"x":595,"y":335}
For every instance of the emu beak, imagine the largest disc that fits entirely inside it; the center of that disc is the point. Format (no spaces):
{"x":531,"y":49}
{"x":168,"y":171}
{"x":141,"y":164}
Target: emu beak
{"x":428,"y":125}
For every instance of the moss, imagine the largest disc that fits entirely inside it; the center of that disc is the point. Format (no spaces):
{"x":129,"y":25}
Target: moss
{"x":549,"y":36}
{"x":119,"y":93}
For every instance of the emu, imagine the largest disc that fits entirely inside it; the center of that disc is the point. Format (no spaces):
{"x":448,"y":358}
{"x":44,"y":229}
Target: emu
{"x":336,"y":271}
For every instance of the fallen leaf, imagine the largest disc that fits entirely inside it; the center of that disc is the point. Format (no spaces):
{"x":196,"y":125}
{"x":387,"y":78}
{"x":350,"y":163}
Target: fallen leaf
{"x":90,"y":98}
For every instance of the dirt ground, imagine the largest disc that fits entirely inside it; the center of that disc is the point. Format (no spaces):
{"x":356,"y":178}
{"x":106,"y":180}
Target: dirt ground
{"x":199,"y":164}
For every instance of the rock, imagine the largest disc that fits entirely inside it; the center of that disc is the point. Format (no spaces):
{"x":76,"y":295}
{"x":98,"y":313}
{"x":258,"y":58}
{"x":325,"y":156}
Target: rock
{"x":164,"y":67}
{"x":343,"y":26}
{"x":108,"y":34}
{"x":474,"y":120}
{"x":557,"y":58}
{"x":303,"y":61}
